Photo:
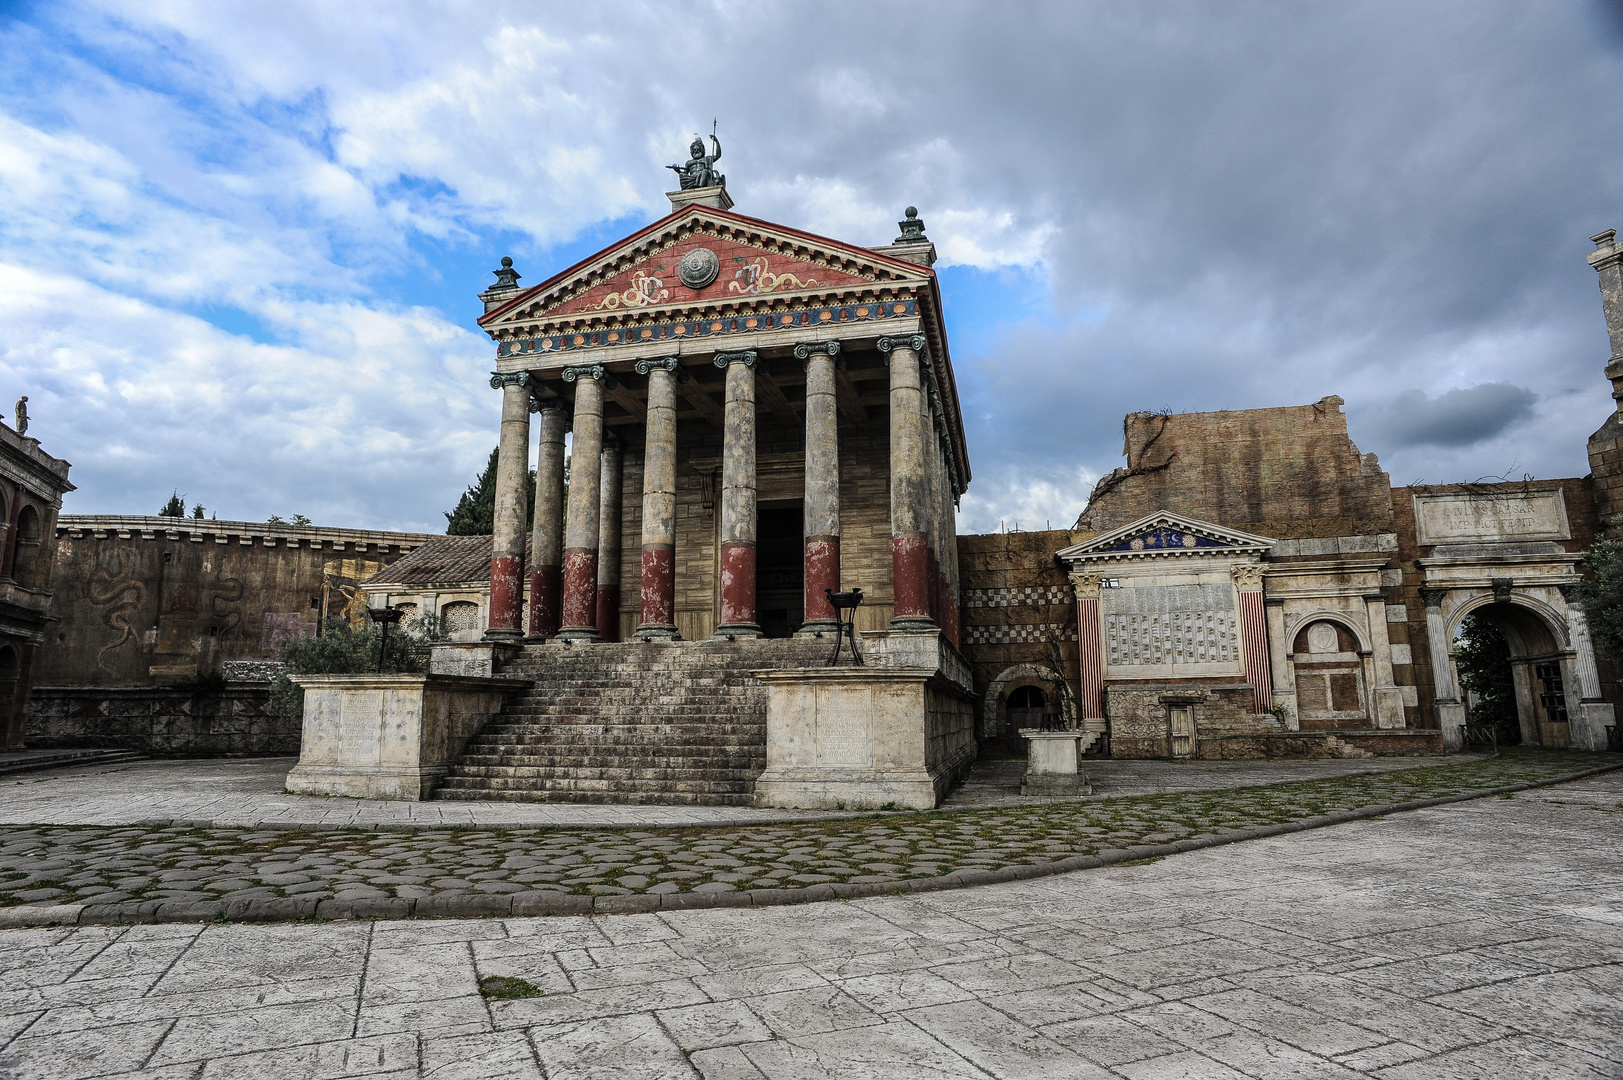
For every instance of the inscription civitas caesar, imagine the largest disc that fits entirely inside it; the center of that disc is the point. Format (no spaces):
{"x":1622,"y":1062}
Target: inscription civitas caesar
{"x":1490,"y":516}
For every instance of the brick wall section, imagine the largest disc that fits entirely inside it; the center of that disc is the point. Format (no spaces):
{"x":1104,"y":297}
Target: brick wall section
{"x":1013,"y":596}
{"x":1606,"y":468}
{"x":1288,"y":473}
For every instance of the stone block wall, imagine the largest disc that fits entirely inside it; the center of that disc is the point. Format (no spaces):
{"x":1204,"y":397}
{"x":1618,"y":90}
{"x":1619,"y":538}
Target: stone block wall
{"x":168,"y":722}
{"x":1018,"y":610}
{"x":1138,"y":719}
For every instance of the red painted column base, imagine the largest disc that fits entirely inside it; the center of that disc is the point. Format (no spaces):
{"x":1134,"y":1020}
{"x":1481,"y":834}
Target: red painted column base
{"x":822,"y":570}
{"x":580,"y":596}
{"x":546,"y":599}
{"x":738,"y":591}
{"x":658,"y":591}
{"x":910,"y":580}
{"x":506,"y":596}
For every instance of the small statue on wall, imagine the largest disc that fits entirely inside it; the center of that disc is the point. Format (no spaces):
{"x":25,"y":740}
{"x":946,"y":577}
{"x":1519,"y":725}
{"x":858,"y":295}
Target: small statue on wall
{"x":22,"y":415}
{"x":699,"y":171}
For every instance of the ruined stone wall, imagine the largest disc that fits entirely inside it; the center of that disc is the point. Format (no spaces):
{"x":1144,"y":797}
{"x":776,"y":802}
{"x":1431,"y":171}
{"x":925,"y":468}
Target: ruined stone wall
{"x":149,"y":601}
{"x":1287,"y":473}
{"x":1018,"y":609}
{"x":1606,"y":468}
{"x":162,"y":722}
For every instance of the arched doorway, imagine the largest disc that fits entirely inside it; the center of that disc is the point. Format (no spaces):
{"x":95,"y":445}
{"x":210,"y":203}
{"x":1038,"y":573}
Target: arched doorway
{"x":1542,"y":674}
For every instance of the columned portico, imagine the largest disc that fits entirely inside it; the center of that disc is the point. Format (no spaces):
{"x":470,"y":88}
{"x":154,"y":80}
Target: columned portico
{"x":738,"y":492}
{"x":507,"y":545}
{"x":546,"y":545}
{"x":658,"y":585}
{"x":909,"y":537}
{"x":585,"y":504}
{"x":822,"y":506}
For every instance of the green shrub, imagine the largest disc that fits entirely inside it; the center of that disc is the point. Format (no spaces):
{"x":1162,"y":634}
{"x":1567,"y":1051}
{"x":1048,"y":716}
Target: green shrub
{"x":343,"y":649}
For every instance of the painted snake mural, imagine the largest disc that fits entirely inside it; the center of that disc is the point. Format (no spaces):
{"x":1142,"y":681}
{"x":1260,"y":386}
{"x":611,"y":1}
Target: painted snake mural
{"x":124,"y":596}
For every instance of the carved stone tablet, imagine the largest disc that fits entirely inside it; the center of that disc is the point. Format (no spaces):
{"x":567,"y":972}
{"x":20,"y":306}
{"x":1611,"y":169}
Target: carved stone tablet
{"x":1458,"y":517}
{"x":698,"y":268}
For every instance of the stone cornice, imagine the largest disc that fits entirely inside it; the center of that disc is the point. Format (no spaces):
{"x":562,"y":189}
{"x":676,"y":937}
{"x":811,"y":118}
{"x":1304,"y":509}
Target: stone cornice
{"x":102,"y":526}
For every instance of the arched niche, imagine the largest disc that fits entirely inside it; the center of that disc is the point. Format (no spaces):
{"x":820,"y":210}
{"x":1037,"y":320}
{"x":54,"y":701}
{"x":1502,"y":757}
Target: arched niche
{"x":995,"y":712}
{"x":1327,"y":664}
{"x":26,"y":564}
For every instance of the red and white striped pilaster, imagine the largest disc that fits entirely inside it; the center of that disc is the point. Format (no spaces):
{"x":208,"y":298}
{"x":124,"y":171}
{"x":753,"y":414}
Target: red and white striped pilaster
{"x":1089,"y":648}
{"x":1254,"y":635}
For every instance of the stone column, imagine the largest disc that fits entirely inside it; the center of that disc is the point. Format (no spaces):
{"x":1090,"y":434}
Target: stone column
{"x":822,"y":520}
{"x":1450,"y":710}
{"x":659,"y":500}
{"x":1607,"y":259}
{"x":738,"y":498}
{"x":1595,"y":712}
{"x":1089,"y":650}
{"x":608,"y":541}
{"x":909,"y":554}
{"x":547,"y":543}
{"x":1254,"y":634}
{"x":1388,"y":703}
{"x":585,"y":493}
{"x":512,"y":476}
{"x":1279,"y":662}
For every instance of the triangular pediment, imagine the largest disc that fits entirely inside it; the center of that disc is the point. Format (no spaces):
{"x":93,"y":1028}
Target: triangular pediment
{"x":701,"y":258}
{"x":1166,"y":534}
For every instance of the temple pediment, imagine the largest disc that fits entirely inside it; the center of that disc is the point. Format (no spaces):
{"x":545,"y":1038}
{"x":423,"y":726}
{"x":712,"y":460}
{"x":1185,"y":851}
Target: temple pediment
{"x":1165,"y":534}
{"x":702,"y":260}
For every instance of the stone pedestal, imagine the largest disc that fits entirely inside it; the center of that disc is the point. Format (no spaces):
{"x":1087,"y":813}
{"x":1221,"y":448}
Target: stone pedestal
{"x":1451,"y":719}
{"x":1051,"y":767}
{"x":389,"y":736}
{"x":864,"y":738}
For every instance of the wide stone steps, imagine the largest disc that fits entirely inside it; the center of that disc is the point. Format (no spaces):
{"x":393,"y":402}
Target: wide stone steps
{"x":629,"y":723}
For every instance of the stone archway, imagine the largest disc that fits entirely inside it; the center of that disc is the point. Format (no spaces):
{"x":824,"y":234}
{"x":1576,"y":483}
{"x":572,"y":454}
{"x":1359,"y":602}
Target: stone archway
{"x":1542,"y":663}
{"x":994,"y":711}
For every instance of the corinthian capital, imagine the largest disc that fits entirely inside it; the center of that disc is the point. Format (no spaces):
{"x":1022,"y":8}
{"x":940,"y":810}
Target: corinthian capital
{"x":1087,"y":584}
{"x":1247,"y":576}
{"x":1432,"y":597}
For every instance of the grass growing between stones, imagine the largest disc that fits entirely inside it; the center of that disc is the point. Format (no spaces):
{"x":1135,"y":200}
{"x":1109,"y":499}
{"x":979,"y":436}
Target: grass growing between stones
{"x":101,"y":865}
{"x":507,"y":987}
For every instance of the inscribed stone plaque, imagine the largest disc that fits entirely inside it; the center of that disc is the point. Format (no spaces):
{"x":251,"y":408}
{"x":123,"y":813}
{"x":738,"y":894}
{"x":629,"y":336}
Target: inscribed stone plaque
{"x":1463,"y":517}
{"x":1171,"y":626}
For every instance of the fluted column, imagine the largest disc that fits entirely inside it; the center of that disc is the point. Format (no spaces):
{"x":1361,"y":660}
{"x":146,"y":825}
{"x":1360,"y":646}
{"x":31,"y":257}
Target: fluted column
{"x":585,"y":496}
{"x":608,"y":541}
{"x":659,"y":500}
{"x":1254,"y":635}
{"x":547,"y":542}
{"x":512,"y":474}
{"x":1089,"y":652}
{"x":822,"y":506}
{"x":738,"y":521}
{"x":909,"y":546}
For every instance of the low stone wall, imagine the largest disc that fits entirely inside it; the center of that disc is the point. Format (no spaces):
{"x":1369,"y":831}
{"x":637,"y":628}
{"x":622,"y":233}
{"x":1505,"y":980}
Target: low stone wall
{"x":163,"y":722}
{"x":1138,"y":719}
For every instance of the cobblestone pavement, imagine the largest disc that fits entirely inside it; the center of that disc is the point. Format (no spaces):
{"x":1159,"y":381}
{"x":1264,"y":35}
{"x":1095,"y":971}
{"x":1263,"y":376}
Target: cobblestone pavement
{"x":526,"y":871}
{"x":1481,"y":939}
{"x":249,"y":793}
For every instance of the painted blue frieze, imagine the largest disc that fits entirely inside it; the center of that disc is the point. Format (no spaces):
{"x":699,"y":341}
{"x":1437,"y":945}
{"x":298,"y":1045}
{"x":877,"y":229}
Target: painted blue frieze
{"x":1163,"y":538}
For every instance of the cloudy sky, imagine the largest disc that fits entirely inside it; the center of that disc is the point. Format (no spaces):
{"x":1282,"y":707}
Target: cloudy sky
{"x":239,"y":242}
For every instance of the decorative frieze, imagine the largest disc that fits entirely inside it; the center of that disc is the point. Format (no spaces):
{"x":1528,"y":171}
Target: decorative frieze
{"x":1019,"y":633}
{"x":1015,"y":597}
{"x":1176,"y":637}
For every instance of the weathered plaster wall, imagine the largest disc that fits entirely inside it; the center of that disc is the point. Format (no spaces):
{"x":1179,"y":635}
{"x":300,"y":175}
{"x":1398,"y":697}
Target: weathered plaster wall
{"x":160,"y":600}
{"x":1286,"y":473}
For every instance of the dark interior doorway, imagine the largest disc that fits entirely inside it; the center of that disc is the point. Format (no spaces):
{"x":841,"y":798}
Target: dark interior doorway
{"x":780,"y":590}
{"x":1026,"y":707}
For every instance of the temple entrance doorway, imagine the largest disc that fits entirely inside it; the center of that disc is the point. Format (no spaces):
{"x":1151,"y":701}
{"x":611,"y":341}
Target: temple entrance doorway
{"x":1026,"y":708}
{"x":780,"y":568}
{"x":1540,"y":673}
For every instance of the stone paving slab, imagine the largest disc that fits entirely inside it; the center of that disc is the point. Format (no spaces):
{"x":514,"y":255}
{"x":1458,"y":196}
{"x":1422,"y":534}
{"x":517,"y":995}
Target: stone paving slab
{"x":57,"y":874}
{"x":1481,"y":939}
{"x":249,"y":792}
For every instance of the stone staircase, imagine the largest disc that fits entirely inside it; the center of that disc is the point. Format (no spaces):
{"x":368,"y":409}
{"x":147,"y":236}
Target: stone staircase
{"x":629,"y":723}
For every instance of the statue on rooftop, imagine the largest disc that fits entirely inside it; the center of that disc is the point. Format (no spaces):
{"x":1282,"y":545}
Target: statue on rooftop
{"x":700,"y":169}
{"x":22,"y":415}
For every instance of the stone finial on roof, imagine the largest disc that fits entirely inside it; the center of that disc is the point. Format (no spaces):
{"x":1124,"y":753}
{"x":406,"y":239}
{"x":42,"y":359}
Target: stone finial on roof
{"x":506,"y":277}
{"x":912,"y":228}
